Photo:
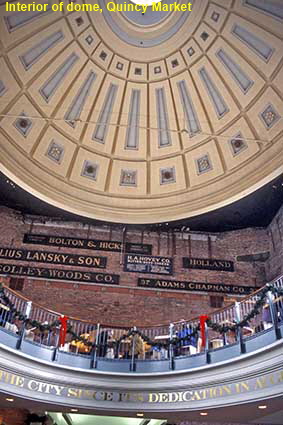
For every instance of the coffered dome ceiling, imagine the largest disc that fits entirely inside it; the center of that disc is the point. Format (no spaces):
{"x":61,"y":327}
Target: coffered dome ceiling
{"x":138,"y":118}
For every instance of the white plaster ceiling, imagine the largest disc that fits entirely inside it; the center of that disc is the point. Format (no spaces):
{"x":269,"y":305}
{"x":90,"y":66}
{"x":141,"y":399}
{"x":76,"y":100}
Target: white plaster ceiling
{"x":139,"y":119}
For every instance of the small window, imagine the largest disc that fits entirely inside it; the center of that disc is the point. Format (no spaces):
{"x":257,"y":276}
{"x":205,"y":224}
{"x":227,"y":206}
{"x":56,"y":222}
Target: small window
{"x":216,"y":301}
{"x":17,"y":283}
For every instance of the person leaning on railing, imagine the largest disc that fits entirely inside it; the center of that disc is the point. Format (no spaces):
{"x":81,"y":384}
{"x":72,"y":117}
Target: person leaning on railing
{"x":187,"y":343}
{"x":137,"y":347}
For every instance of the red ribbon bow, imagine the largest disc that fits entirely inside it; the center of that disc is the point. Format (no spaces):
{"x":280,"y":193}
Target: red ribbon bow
{"x":202,"y":320}
{"x":63,"y":330}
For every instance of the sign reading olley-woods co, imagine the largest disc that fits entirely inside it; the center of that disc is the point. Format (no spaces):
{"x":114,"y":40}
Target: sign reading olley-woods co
{"x":58,"y":274}
{"x":148,"y":264}
{"x":195,"y":286}
{"x":52,"y":258}
{"x":208,"y":264}
{"x":95,"y":244}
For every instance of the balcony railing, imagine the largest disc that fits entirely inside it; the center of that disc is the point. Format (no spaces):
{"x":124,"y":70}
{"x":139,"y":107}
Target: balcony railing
{"x":240,"y":328}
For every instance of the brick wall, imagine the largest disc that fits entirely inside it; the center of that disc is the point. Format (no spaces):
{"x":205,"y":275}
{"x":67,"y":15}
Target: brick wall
{"x":274,"y":265}
{"x":125,"y":303}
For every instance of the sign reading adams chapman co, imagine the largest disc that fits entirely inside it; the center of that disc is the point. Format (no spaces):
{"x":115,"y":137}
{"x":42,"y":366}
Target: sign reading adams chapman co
{"x":208,"y":264}
{"x":53,"y":258}
{"x":195,"y":286}
{"x":58,"y":274}
{"x":95,"y":244}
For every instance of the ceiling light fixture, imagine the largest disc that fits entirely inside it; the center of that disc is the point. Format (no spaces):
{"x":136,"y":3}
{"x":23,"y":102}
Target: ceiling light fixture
{"x":140,"y":415}
{"x":263,"y":406}
{"x":74,"y":410}
{"x":9,"y":399}
{"x":203,"y":414}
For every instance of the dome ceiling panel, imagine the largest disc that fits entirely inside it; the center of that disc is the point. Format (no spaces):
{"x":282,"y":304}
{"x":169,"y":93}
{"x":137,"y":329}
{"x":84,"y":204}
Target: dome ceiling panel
{"x":255,"y":10}
{"x":236,"y":144}
{"x":74,"y":110}
{"x":266,"y":115}
{"x":94,"y":124}
{"x":204,"y":164}
{"x":55,"y":152}
{"x":219,"y":102}
{"x":91,"y":170}
{"x":16,"y":26}
{"x":88,"y":40}
{"x":168,"y":176}
{"x":127,"y":178}
{"x":132,"y":132}
{"x":51,"y":85}
{"x":241,"y":78}
{"x":216,"y":16}
{"x":33,"y":54}
{"x":256,"y":45}
{"x":192,"y":118}
{"x":23,"y":124}
{"x":164,"y":139}
{"x":7,"y":84}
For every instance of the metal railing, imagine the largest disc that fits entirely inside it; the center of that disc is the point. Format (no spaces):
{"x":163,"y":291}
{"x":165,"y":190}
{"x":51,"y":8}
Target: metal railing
{"x":108,"y":342}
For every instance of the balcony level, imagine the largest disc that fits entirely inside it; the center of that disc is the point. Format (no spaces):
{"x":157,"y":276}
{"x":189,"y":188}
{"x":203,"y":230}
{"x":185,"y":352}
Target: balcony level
{"x":235,"y":359}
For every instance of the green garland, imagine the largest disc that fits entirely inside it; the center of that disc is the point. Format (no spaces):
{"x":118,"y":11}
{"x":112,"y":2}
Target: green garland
{"x":222,"y":329}
{"x":254,"y":312}
{"x":175,"y":341}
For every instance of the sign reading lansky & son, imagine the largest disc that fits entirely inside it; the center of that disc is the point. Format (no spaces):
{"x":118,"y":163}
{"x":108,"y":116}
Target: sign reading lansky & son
{"x":95,"y":244}
{"x":53,"y":258}
{"x":208,"y":264}
{"x":148,"y":264}
{"x":195,"y":286}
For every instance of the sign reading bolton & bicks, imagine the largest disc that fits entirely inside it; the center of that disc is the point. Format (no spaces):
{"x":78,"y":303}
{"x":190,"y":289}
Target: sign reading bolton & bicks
{"x":195,"y":286}
{"x":148,"y":264}
{"x":59,"y":274}
{"x":95,"y":244}
{"x":208,"y":264}
{"x":53,"y":258}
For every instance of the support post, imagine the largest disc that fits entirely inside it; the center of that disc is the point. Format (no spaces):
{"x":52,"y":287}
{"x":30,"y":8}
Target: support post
{"x":239,"y":333}
{"x":133,"y":361}
{"x":206,"y":347}
{"x":274,"y":314}
{"x":171,"y":352}
{"x":93,"y":361}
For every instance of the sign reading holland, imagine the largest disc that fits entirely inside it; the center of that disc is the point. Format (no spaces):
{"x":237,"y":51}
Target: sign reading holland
{"x":208,"y":264}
